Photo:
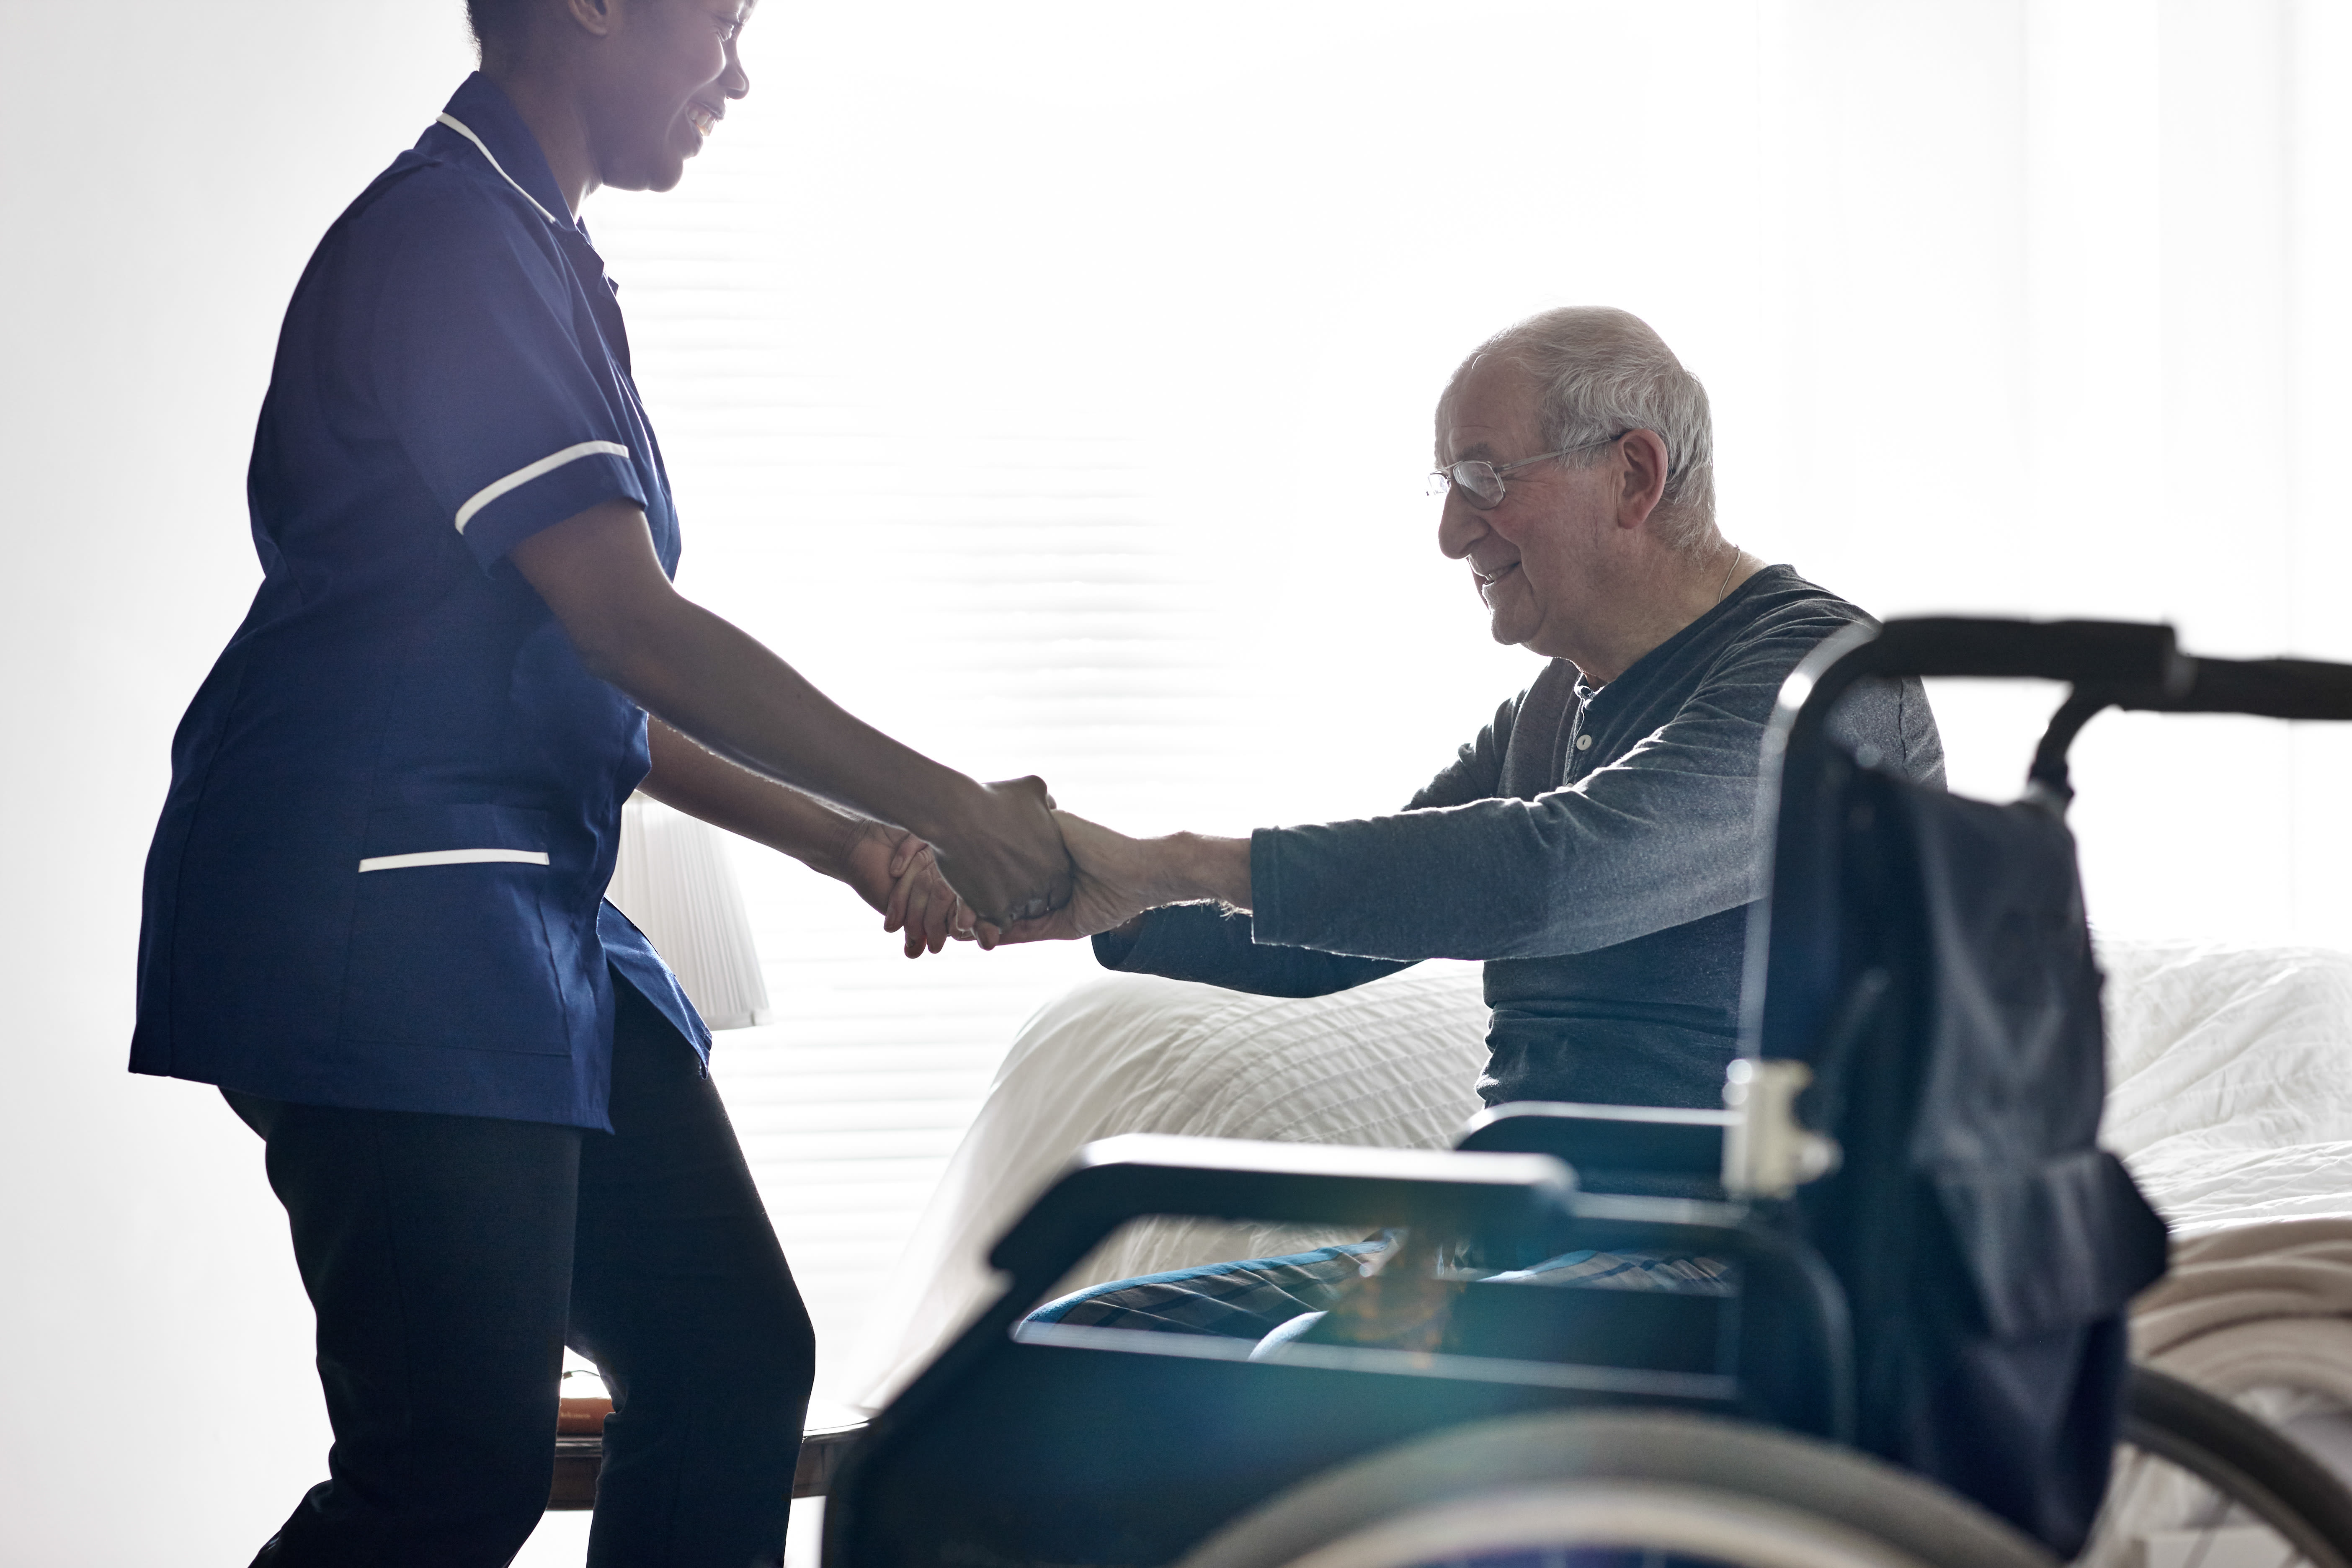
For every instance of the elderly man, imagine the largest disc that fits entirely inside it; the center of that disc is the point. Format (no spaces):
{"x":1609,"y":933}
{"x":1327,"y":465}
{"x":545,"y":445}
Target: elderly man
{"x":1597,"y":844}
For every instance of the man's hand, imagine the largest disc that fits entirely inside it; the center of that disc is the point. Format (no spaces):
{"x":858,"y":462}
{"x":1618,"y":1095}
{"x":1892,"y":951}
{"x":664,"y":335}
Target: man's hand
{"x":1004,"y":853}
{"x":1118,"y":878}
{"x":895,"y":872}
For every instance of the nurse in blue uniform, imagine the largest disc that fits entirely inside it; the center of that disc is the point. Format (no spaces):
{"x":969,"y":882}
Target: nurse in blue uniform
{"x":374,"y":907}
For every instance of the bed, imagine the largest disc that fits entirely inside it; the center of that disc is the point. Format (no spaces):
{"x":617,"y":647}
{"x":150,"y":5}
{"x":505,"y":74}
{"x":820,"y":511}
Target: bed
{"x":2229,"y":1096}
{"x":1390,"y":1064}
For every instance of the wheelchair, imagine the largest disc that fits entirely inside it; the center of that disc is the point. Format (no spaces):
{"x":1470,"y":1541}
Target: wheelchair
{"x":1915,"y":1352}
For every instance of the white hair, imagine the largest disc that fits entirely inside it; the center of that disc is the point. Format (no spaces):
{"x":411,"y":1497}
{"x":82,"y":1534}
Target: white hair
{"x":1599,"y":371}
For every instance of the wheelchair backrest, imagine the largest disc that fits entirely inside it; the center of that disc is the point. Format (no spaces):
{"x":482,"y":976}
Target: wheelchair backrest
{"x":1928,"y":958}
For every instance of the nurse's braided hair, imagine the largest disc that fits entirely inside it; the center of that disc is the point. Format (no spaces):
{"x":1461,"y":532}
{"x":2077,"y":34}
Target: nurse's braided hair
{"x":494,"y":21}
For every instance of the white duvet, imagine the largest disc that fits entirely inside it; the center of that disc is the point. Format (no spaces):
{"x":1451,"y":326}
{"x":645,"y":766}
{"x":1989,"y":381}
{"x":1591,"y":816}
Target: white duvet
{"x":2230,"y":1080}
{"x":2231,"y":1075}
{"x":1390,"y":1064}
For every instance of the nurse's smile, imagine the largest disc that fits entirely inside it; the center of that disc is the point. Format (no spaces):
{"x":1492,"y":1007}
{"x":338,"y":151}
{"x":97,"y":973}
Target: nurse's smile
{"x":619,"y":93}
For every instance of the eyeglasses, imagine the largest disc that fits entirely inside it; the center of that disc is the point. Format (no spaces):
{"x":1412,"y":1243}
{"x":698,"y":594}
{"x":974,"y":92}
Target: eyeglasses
{"x":1481,"y":482}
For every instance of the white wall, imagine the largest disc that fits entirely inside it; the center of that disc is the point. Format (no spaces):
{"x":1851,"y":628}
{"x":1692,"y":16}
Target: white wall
{"x":175,"y":164}
{"x":2069,"y":273}
{"x":2018,"y":305}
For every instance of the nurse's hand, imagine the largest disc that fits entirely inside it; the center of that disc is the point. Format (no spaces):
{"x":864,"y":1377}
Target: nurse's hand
{"x":896,"y":873}
{"x":1004,"y":853}
{"x":1121,"y":877}
{"x":1118,"y":880}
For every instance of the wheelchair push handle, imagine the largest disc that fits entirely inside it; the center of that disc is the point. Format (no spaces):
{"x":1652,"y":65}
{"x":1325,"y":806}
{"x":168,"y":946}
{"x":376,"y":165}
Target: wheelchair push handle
{"x":2110,"y":664}
{"x":2079,"y":652}
{"x":2266,"y":688}
{"x":1140,"y":1175}
{"x":2107,"y":654}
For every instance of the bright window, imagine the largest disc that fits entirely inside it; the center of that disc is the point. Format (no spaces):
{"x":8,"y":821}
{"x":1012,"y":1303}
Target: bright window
{"x":1052,"y":383}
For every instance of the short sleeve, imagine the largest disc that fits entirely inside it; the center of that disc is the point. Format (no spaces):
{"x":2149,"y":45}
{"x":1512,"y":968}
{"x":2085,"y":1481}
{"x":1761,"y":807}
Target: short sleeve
{"x":476,"y":357}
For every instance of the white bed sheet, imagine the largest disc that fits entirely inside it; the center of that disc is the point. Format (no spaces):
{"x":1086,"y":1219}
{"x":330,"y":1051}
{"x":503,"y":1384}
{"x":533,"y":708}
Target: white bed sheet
{"x":2230,"y":1079}
{"x":2229,"y":1072}
{"x":1391,"y":1065}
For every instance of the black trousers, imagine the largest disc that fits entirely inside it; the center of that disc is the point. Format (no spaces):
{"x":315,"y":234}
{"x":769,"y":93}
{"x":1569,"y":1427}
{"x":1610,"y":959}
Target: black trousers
{"x":450,"y":1259}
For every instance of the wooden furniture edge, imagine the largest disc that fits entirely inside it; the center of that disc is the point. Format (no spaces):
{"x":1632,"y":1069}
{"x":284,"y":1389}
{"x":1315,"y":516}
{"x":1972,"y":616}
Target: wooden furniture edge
{"x":580,"y":1455}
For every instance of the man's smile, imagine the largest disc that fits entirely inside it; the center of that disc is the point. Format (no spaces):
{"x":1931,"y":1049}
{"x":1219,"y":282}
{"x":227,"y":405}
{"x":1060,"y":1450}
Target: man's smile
{"x":703,"y":118}
{"x":1486,"y":577}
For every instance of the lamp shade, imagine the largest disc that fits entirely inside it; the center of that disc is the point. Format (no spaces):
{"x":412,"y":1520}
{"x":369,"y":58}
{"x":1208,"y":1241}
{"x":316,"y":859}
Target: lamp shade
{"x":673,"y":880}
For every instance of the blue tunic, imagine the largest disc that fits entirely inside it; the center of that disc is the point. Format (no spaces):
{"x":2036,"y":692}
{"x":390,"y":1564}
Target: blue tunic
{"x":378,"y":880}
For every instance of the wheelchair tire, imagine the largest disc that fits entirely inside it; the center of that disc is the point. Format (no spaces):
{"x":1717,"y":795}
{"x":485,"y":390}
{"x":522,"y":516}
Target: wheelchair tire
{"x":2245,"y":1460}
{"x":1682,"y":1485}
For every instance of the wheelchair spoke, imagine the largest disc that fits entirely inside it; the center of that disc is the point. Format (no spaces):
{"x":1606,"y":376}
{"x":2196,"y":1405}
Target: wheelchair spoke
{"x":2161,"y":1515}
{"x":2199,"y":1483}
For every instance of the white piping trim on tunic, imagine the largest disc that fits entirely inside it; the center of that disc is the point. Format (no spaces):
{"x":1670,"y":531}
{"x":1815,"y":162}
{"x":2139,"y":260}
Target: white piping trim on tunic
{"x":455,"y":858}
{"x":462,"y":129}
{"x":530,"y":471}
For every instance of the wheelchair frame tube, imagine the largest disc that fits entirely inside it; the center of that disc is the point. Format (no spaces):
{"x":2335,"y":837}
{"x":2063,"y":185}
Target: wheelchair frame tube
{"x":1803,"y":772}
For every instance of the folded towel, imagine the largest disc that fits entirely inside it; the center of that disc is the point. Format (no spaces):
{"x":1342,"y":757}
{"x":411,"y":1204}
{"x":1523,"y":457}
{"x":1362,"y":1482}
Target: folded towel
{"x":2246,"y":1275}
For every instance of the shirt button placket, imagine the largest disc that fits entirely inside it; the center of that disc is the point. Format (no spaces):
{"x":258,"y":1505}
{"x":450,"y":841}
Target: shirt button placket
{"x":1579,"y":752}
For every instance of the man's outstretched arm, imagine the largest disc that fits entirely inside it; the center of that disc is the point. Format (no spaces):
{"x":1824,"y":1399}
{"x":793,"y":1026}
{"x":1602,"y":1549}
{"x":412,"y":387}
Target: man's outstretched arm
{"x":1215,"y":946}
{"x":1119,"y":878}
{"x":1196,"y":928}
{"x":1663,"y":835}
{"x":1214,"y":939}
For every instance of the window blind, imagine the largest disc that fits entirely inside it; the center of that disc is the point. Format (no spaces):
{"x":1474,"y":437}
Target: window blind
{"x":1052,"y":383}
{"x":1007,"y":602}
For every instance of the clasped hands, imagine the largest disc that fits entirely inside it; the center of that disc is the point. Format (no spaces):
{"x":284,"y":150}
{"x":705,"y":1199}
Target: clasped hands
{"x":1047,"y":874}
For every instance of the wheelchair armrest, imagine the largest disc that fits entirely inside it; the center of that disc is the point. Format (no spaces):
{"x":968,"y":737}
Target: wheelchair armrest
{"x":1655,"y":1141}
{"x":1139,"y":1174}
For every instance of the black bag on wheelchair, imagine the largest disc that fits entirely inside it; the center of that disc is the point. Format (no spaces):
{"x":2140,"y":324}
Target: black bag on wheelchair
{"x":1949,"y":1004}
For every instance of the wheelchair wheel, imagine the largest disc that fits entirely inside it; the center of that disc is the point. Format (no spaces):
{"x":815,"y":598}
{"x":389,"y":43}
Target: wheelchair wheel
{"x":2202,"y":1480}
{"x":1644,"y":1485}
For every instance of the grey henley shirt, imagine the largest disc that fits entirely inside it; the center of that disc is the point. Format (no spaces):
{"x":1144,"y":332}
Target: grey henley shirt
{"x":1597,"y":848}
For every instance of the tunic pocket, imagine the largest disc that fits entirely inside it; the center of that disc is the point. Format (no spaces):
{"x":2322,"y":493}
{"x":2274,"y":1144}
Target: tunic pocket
{"x":451,"y":943}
